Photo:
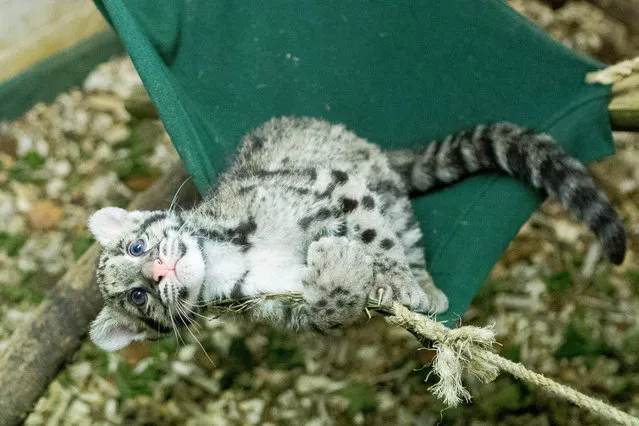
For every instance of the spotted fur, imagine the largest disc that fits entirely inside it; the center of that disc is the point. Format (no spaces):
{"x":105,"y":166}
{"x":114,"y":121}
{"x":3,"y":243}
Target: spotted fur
{"x":310,"y":207}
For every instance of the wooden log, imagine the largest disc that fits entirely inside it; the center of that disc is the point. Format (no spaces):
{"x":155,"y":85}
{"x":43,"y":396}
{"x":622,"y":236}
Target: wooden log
{"x":624,"y":105}
{"x":40,"y":347}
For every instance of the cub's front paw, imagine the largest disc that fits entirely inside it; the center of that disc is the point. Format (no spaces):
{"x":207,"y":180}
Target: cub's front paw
{"x":397,"y":285}
{"x":340,"y":275}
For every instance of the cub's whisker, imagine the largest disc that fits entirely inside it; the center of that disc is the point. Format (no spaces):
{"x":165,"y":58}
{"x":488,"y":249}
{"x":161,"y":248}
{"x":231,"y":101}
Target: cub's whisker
{"x":174,"y":201}
{"x":194,"y":337}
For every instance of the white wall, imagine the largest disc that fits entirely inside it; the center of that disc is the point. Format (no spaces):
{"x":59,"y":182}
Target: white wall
{"x":31,"y":30}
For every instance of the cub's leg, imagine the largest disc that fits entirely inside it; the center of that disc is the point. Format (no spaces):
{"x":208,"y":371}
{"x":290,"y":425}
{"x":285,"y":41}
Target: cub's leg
{"x":393,"y":278}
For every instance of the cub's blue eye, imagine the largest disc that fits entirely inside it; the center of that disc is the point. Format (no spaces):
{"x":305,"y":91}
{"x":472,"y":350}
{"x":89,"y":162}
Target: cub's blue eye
{"x":138,"y":296}
{"x":136,"y":248}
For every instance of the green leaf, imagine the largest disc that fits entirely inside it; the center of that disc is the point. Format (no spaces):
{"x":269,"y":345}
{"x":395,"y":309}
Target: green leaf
{"x":12,"y":243}
{"x":361,"y":398}
{"x":561,"y":281}
{"x":131,"y":384}
{"x":283,"y":353}
{"x":579,"y":341}
{"x":26,"y":290}
{"x":34,"y":160}
{"x":81,"y":244}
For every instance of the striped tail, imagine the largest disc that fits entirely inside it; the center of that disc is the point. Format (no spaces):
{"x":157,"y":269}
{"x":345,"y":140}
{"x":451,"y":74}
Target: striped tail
{"x":532,"y":157}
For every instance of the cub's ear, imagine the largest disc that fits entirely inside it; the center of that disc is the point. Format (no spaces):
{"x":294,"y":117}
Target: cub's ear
{"x":111,"y":332}
{"x":108,"y":224}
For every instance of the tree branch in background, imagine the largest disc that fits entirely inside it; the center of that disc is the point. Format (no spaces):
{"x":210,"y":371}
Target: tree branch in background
{"x":41,"y":346}
{"x":624,"y":106}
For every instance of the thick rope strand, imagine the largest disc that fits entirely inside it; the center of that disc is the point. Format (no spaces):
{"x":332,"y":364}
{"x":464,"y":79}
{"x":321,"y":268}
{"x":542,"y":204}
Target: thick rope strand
{"x":566,"y":392}
{"x":458,"y":350}
{"x":470,"y":349}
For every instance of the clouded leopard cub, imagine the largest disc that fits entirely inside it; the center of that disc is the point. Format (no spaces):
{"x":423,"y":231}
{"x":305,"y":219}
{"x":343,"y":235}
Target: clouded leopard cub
{"x":310,"y":207}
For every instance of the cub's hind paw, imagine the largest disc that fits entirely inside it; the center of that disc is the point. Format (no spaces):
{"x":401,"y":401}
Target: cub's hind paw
{"x":340,"y":275}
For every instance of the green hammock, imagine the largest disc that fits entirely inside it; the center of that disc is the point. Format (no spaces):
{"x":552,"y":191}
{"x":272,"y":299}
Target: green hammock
{"x":397,"y":73}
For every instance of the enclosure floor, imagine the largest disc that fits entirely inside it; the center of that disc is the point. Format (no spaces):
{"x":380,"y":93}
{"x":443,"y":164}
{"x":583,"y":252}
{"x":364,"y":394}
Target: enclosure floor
{"x":557,"y":306}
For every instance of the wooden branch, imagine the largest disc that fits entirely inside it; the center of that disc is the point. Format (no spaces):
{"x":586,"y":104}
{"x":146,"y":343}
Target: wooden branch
{"x":624,"y":105}
{"x":40,"y":347}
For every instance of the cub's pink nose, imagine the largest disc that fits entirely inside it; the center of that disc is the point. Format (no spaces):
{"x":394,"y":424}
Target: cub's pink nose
{"x":161,"y":270}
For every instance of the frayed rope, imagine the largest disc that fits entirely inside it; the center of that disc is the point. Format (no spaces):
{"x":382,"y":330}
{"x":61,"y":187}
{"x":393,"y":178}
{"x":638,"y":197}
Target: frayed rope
{"x":469,"y":349}
{"x":462,"y":350}
{"x":614,"y":73}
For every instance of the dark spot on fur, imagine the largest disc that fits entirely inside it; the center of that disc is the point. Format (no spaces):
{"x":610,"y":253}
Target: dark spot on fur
{"x":342,"y":229}
{"x":339,"y":176}
{"x":327,"y":192}
{"x":302,"y":191}
{"x":149,"y":220}
{"x":311,"y":173}
{"x":210,"y":234}
{"x":305,"y":222}
{"x":364,"y":153}
{"x":257,"y":142}
{"x":323,"y":214}
{"x":348,"y":204}
{"x":321,"y":303}
{"x":387,"y":244}
{"x":240,"y":235}
{"x":182,"y":293}
{"x":516,"y":159}
{"x":339,"y":303}
{"x":236,"y":292}
{"x":368,"y":202}
{"x":387,"y":187}
{"x":368,"y":235}
{"x":338,"y":291}
{"x":330,"y":311}
{"x":553,"y":175}
{"x":245,"y":189}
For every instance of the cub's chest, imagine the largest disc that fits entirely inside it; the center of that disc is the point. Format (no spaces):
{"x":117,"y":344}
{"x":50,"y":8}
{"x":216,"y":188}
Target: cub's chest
{"x":274,"y":268}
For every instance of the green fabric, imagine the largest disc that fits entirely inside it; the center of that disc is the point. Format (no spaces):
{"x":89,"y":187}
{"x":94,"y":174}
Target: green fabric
{"x":395,"y":73}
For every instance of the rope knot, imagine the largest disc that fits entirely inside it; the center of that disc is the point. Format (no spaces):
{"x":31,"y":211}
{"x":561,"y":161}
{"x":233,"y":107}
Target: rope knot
{"x":457,"y":350}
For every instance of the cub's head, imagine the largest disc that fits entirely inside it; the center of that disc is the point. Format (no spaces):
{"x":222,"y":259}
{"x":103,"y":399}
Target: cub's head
{"x":150,"y":273}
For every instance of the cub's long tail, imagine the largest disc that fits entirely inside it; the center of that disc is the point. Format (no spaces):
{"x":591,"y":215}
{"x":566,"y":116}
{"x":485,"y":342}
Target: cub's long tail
{"x":532,"y":157}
